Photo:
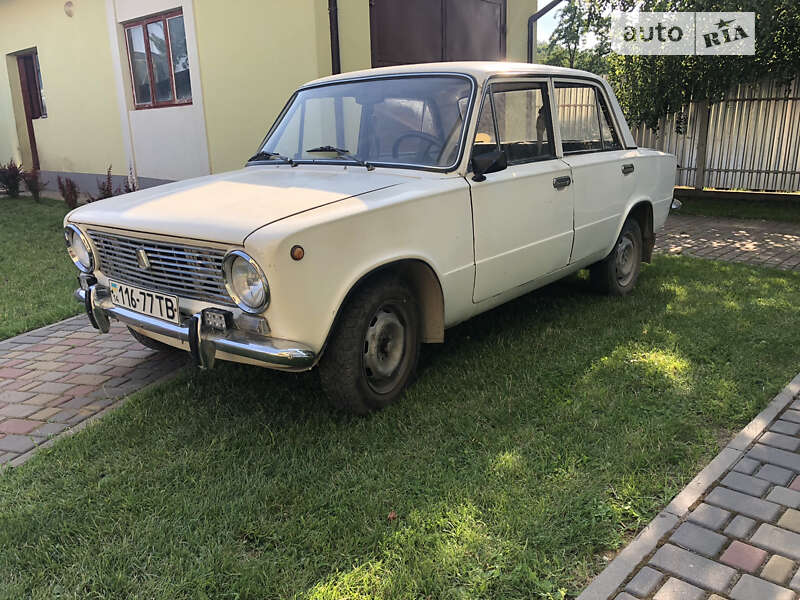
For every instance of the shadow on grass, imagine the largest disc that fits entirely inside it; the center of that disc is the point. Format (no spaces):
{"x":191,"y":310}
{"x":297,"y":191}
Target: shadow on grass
{"x":539,"y":436}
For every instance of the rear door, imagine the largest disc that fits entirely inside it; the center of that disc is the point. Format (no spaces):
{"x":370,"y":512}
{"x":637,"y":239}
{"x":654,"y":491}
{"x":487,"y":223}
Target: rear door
{"x":522,"y":216}
{"x":602,"y":178}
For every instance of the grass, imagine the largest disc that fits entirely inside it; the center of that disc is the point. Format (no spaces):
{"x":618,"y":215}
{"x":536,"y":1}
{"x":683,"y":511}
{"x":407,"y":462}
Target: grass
{"x":37,"y":277}
{"x":770,"y":210}
{"x":535,"y":443}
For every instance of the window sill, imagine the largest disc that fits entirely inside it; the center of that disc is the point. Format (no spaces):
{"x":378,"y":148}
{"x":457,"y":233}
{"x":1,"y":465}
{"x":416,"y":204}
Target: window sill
{"x":154,"y":106}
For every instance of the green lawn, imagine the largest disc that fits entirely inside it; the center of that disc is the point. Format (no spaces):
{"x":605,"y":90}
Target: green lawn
{"x":37,"y":277}
{"x":535,"y":443}
{"x":773,"y":210}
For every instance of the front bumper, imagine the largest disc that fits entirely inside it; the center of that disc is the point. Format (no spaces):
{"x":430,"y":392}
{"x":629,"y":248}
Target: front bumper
{"x":204,"y":342}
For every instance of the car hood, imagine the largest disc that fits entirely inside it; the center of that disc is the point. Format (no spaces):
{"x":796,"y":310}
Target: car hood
{"x":228,"y":207}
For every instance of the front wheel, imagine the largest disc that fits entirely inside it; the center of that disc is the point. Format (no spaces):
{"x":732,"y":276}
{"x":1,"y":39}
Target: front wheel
{"x":150,"y":342}
{"x":372,"y":354}
{"x":617,"y":274}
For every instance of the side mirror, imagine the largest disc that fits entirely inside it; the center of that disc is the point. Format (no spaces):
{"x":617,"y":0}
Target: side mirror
{"x":490,"y":162}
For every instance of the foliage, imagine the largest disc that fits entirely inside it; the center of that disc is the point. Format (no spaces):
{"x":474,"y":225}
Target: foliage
{"x":130,"y":185}
{"x":538,"y":439}
{"x":650,"y":87}
{"x":577,"y":20}
{"x":586,"y":60}
{"x":105,"y":188}
{"x":69,"y":191}
{"x":34,"y":183}
{"x":11,"y":175}
{"x":37,"y":278}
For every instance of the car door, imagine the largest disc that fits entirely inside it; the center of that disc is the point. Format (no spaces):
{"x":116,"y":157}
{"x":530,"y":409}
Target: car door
{"x":522,"y":215}
{"x":602,"y":177}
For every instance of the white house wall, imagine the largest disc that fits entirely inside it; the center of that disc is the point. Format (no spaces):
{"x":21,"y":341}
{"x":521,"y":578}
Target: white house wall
{"x":168,"y":142}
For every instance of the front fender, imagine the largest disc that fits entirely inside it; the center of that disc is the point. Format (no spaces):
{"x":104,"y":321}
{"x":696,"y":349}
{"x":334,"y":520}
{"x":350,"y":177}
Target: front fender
{"x":429,"y":221}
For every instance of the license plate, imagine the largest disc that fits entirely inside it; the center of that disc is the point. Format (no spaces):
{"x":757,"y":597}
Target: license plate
{"x":147,"y":302}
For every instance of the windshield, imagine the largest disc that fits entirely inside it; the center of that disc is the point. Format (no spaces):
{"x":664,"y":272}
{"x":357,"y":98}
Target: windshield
{"x":407,"y":121}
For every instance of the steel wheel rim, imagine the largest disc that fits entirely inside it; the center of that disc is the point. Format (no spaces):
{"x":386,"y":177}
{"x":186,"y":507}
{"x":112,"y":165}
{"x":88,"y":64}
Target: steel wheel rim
{"x":626,"y":259}
{"x":384,"y":348}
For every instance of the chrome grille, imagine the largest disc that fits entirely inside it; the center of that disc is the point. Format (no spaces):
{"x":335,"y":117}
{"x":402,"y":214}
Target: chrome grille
{"x":185,"y":271}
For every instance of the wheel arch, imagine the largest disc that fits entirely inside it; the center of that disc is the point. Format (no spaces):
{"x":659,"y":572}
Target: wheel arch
{"x":425,"y":286}
{"x":642,"y":211}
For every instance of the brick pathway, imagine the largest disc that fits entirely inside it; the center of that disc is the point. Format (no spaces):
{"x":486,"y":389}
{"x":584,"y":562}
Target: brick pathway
{"x":733,"y":532}
{"x":55,"y":377}
{"x":763,"y":243}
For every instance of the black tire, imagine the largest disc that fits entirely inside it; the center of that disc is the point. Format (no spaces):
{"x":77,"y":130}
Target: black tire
{"x":372,"y":354}
{"x":150,"y":342}
{"x":616,"y":275}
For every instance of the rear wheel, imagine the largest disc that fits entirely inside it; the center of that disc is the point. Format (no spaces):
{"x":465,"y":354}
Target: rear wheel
{"x":150,"y":342}
{"x":618,"y":272}
{"x":372,"y":354}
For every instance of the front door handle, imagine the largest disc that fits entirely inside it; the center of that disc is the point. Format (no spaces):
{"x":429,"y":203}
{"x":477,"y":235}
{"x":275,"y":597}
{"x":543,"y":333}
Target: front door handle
{"x":562,"y":182}
{"x":627,"y":169}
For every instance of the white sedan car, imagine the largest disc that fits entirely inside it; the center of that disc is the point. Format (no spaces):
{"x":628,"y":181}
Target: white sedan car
{"x":382,"y":207}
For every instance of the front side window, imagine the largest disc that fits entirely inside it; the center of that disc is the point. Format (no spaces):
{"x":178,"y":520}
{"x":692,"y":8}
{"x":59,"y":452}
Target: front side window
{"x":584,"y":119}
{"x":516,"y":116}
{"x":159,"y":61}
{"x":415,"y":121}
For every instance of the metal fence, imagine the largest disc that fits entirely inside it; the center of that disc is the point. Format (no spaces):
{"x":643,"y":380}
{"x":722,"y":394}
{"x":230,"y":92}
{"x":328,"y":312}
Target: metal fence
{"x":750,"y":140}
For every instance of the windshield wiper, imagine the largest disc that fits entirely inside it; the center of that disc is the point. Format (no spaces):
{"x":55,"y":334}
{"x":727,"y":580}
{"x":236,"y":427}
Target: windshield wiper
{"x":271,"y":156}
{"x":343,"y":153}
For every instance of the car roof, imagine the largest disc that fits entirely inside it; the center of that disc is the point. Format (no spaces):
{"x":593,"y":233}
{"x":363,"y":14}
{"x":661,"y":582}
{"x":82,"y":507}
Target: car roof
{"x":480,"y":70}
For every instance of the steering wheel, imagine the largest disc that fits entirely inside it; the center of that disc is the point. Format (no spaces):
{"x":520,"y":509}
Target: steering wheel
{"x":432,"y":142}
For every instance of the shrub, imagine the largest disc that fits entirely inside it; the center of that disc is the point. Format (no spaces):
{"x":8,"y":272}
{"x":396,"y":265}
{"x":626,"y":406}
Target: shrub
{"x":10,"y":178}
{"x":34,"y":183}
{"x":130,"y":184}
{"x":105,"y":188}
{"x":69,"y":191}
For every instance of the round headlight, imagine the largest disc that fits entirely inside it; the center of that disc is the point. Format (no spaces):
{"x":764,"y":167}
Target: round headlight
{"x":245,"y":282}
{"x":79,"y":250}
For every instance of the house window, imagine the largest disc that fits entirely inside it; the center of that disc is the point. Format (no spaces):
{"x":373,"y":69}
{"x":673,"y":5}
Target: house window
{"x":159,"y":61}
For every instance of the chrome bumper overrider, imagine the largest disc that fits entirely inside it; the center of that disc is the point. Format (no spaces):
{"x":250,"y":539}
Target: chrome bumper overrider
{"x":204,"y":342}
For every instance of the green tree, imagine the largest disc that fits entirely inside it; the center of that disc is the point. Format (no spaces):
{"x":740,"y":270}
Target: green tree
{"x":650,"y":87}
{"x":586,"y":60}
{"x":577,"y":20}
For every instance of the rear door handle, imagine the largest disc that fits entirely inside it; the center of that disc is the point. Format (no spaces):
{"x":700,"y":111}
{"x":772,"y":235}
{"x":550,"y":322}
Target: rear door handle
{"x":562,"y":182}
{"x":628,"y":169}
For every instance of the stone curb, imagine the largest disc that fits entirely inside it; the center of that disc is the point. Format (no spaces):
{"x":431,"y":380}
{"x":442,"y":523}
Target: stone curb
{"x":23,"y":458}
{"x":618,"y":570}
{"x":81,"y":315}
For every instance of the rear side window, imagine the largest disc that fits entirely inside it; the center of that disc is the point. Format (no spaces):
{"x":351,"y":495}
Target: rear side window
{"x":517,"y":116}
{"x":584,"y":119}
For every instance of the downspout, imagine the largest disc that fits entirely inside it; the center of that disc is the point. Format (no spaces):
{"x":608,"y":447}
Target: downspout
{"x":532,"y":21}
{"x":333,"y":16}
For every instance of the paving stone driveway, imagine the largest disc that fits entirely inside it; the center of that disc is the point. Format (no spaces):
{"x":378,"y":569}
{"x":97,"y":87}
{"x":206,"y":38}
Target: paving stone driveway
{"x":763,"y":243}
{"x":55,"y":377}
{"x":733,"y":532}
